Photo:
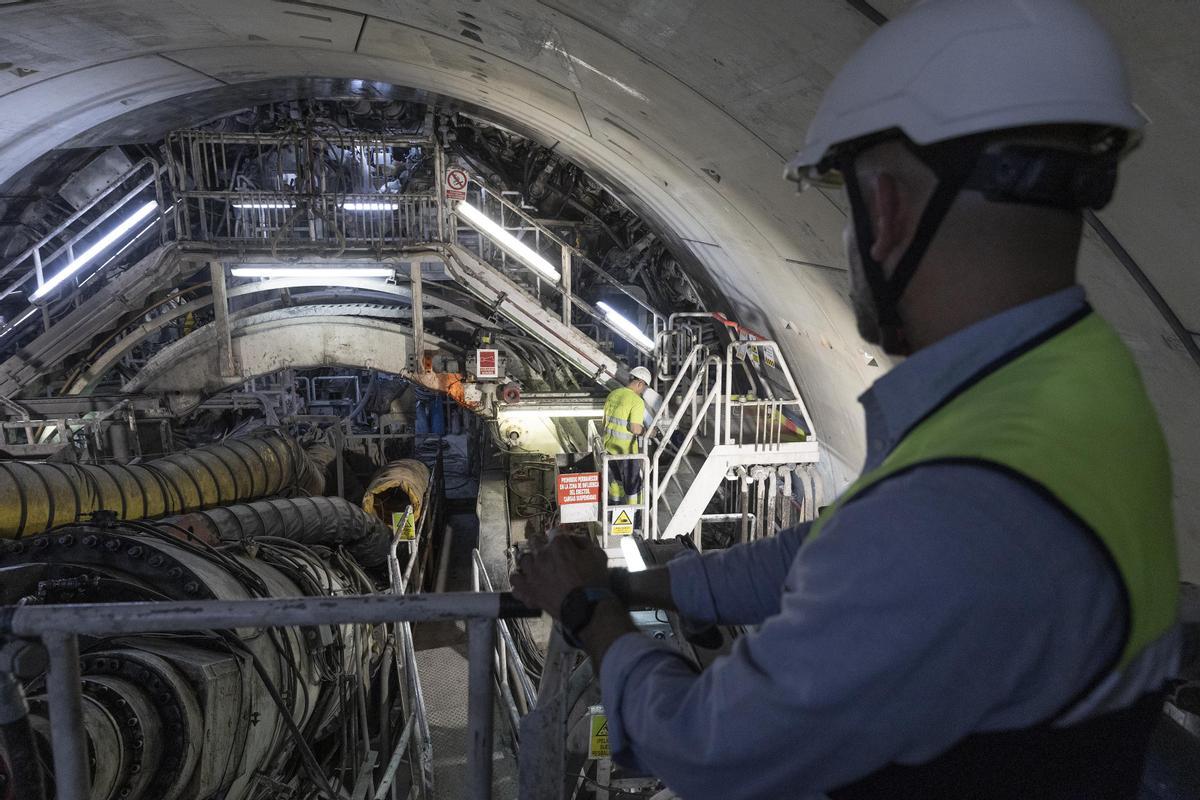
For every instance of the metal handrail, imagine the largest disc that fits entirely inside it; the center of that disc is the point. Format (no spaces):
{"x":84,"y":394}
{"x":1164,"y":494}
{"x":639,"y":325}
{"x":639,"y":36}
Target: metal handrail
{"x":59,"y":626}
{"x":697,"y":351}
{"x":35,"y":249}
{"x":483,"y":582}
{"x":31,"y":309}
{"x":711,"y":395}
{"x":795,"y":400}
{"x":642,"y":505}
{"x":406,"y":665}
{"x":575,"y":252}
{"x":562,"y":287}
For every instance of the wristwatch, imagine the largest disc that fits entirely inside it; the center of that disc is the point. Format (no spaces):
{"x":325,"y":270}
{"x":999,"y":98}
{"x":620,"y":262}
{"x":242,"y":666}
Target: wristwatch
{"x":577,"y":609}
{"x":618,"y":581}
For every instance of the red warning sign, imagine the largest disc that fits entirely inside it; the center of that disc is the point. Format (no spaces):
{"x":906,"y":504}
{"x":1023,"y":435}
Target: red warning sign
{"x":579,"y":497}
{"x":489,"y":364}
{"x":456,"y":184}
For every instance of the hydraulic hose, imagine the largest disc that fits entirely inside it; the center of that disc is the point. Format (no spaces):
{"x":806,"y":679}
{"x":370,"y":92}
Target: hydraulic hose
{"x":327,"y":521}
{"x":37,"y":497}
{"x":16,"y":735}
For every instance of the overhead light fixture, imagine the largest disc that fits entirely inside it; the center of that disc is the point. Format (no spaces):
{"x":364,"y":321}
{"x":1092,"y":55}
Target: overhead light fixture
{"x":17,"y":322}
{"x":551,"y":411}
{"x":89,"y":255}
{"x":626,"y":327}
{"x":264,"y":205}
{"x":316,"y":273}
{"x":509,"y":243}
{"x":371,"y":206}
{"x":633,"y":556}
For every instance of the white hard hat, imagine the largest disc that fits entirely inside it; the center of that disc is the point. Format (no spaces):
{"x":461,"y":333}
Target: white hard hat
{"x":943,"y":78}
{"x":947,"y":69}
{"x":642,"y":374}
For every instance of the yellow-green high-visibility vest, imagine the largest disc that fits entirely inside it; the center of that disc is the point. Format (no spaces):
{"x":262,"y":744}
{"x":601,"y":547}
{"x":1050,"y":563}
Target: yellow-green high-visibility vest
{"x":1068,"y":415}
{"x":622,"y":406}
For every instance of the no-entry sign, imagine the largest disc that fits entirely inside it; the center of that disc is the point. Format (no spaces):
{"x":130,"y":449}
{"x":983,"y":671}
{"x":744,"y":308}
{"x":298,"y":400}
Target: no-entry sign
{"x":579,"y":497}
{"x":456,"y":184}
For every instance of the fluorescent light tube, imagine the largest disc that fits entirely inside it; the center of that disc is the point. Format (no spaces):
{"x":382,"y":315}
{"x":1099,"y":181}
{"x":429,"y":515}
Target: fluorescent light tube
{"x":631,"y":331}
{"x":17,"y":322}
{"x":633,"y":557}
{"x":371,"y":206}
{"x":81,"y":261}
{"x":514,"y":246}
{"x":320,"y":274}
{"x":263,"y":205}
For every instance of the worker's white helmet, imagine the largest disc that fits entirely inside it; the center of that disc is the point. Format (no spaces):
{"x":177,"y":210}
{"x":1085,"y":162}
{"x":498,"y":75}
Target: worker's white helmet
{"x":642,"y":374}
{"x":945,"y":78}
{"x":947,"y":69}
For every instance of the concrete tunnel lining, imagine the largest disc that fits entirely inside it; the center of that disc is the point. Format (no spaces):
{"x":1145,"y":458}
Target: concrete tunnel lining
{"x":621,"y":98}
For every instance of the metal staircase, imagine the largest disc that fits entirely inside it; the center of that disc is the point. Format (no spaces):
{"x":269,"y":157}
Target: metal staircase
{"x":732,"y":440}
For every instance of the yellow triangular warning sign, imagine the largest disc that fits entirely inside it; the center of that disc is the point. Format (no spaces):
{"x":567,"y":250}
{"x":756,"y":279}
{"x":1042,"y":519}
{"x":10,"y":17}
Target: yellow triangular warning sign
{"x":622,"y":524}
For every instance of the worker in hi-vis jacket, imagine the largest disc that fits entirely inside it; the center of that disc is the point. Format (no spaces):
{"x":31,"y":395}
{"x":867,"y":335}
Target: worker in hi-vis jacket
{"x":624,"y":415}
{"x":990,"y":610}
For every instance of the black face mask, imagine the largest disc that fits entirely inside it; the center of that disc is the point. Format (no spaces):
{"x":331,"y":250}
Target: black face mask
{"x":955,"y":162}
{"x":1013,"y":174}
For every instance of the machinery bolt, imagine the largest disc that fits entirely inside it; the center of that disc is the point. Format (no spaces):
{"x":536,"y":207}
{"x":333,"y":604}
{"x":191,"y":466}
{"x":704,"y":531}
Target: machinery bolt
{"x":156,"y":560}
{"x":41,"y":543}
{"x":90,"y":540}
{"x":112,"y":545}
{"x":175,"y":572}
{"x":135,"y":551}
{"x":191,"y":587}
{"x":67,"y":540}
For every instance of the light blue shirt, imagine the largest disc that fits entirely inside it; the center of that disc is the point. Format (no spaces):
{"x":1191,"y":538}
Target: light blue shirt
{"x":949,"y":600}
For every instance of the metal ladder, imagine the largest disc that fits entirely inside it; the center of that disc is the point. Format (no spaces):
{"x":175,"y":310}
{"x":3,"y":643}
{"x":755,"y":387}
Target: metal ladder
{"x":732,"y":431}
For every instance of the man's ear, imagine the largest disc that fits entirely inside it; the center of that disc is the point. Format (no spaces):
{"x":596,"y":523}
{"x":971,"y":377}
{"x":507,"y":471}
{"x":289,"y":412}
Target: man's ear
{"x":887,"y":220}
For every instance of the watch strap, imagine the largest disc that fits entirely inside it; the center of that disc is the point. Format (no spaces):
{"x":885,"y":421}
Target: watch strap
{"x":586,"y":598}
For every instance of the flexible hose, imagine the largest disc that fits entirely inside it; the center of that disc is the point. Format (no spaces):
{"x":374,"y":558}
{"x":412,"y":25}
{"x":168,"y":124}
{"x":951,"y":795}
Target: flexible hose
{"x":37,"y":497}
{"x":326,"y":521}
{"x":16,"y":736}
{"x":24,"y":767}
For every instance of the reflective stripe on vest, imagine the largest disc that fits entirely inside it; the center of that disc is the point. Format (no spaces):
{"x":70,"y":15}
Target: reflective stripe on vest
{"x":622,"y":406}
{"x":1069,"y":416}
{"x":617,"y":428}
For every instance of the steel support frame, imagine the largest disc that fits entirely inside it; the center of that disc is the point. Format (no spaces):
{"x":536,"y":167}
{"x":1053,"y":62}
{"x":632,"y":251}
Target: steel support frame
{"x":58,"y":627}
{"x":499,"y":291}
{"x":225,"y":361}
{"x":418,"y":314}
{"x":643,"y":505}
{"x":719,"y":462}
